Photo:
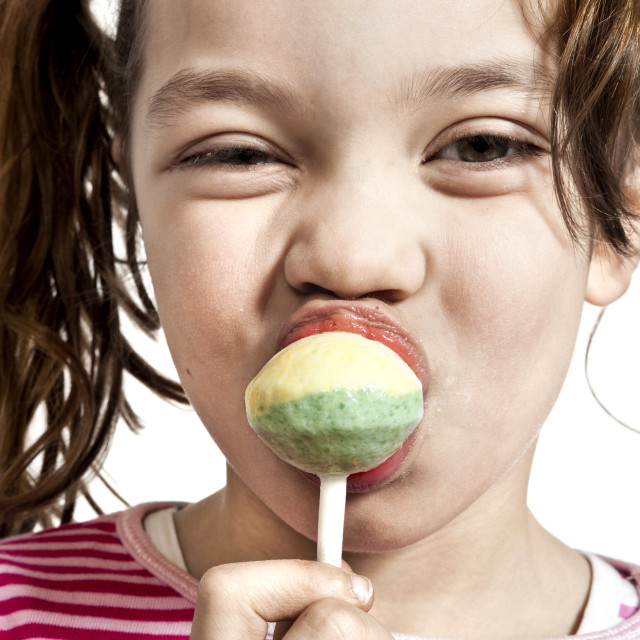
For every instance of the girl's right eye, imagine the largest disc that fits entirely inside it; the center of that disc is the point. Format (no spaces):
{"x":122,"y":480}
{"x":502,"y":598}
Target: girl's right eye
{"x":230,"y":157}
{"x":233,"y":166}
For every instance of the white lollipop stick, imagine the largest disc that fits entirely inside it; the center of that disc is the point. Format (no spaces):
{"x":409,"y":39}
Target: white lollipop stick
{"x":333,"y":496}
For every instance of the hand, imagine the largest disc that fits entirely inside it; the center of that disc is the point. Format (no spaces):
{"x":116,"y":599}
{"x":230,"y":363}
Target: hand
{"x":236,"y":601}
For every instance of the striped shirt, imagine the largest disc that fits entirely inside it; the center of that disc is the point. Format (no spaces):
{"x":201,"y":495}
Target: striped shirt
{"x":104,"y":579}
{"x":97,"y":580}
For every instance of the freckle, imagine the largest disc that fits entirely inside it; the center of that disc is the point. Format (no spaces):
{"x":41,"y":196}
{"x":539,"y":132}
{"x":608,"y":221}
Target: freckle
{"x":188,"y":372}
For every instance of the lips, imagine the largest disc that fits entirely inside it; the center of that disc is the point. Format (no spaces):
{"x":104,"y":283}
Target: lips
{"x":370,"y":322}
{"x":367,"y":321}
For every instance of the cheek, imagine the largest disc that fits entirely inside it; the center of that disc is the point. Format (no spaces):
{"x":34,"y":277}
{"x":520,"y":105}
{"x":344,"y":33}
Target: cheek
{"x":206,"y":273}
{"x":202,"y":266}
{"x":514,"y":307}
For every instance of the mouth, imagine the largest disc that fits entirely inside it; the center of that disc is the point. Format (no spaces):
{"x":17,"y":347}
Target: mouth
{"x":370,"y":322}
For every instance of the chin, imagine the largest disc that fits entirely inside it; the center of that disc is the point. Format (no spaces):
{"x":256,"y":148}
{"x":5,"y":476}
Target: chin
{"x":380,"y":522}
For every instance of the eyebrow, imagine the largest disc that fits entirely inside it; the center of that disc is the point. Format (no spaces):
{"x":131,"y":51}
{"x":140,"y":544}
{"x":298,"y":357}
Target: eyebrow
{"x":532,"y":79}
{"x":190,"y":87}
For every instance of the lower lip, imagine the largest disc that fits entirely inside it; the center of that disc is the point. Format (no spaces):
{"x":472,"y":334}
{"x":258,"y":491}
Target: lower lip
{"x":378,"y":476}
{"x":375,"y":478}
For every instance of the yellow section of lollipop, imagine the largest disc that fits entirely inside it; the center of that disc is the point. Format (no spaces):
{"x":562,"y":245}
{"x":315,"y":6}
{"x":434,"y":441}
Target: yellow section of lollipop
{"x":326,"y":362}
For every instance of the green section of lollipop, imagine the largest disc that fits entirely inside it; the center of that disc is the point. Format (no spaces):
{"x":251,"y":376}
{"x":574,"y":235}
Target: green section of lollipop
{"x":339,"y":431}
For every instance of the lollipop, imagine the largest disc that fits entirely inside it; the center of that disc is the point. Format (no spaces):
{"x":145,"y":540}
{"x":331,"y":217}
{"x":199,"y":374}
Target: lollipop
{"x":333,"y":404}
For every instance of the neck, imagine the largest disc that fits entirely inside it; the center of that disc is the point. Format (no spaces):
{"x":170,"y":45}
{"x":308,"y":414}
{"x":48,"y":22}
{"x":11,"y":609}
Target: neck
{"x":233,"y":525}
{"x":460,"y":581}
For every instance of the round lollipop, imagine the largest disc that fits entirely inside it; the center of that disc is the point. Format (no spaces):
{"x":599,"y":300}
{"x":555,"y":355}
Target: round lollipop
{"x":333,"y":404}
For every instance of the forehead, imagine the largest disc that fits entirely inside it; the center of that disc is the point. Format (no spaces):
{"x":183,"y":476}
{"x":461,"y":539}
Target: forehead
{"x":330,"y":49}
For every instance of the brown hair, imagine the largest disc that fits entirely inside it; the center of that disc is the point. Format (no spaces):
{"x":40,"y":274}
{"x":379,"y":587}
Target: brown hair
{"x":66,"y":91}
{"x":62,"y":285}
{"x":596,"y":116}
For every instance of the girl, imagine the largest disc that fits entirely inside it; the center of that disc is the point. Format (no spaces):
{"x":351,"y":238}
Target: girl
{"x":453,"y":177}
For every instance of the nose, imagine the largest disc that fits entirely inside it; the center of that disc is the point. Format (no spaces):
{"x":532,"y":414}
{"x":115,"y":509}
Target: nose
{"x":356,"y":236}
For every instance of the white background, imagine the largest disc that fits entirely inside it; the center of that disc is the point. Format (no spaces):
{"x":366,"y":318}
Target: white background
{"x":585,"y":481}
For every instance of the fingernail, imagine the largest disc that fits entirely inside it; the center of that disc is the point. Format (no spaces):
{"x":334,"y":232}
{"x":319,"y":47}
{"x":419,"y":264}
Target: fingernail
{"x":362,"y":588}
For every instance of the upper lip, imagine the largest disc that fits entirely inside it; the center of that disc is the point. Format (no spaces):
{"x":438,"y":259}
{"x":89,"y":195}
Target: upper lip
{"x":367,"y":313}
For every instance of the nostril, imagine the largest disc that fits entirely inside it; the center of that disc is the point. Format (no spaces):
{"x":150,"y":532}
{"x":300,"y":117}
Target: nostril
{"x":310,"y":288}
{"x":388,"y":296}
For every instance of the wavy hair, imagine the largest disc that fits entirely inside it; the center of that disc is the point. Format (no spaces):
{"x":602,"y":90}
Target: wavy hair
{"x":63,"y":288}
{"x":596,"y":116}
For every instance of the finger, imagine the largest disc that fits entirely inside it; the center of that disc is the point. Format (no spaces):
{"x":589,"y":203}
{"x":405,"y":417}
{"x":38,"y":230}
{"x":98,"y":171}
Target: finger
{"x":237,"y":600}
{"x":283,"y":626}
{"x":336,"y":620}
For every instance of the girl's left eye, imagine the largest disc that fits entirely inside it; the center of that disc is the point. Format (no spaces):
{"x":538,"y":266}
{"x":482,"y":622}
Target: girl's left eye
{"x":234,"y":157}
{"x":485,"y":149}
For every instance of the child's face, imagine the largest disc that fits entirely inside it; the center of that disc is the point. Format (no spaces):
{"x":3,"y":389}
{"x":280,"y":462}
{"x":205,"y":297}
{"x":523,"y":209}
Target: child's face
{"x":392,"y":157}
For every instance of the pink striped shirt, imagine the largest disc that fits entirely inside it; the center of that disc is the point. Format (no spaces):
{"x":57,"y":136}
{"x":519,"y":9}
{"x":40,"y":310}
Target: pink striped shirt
{"x":96,"y":580}
{"x":105,"y":580}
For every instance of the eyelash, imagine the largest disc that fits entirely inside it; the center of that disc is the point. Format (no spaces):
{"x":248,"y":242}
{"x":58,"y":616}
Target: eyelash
{"x":520,"y":150}
{"x":233,"y":158}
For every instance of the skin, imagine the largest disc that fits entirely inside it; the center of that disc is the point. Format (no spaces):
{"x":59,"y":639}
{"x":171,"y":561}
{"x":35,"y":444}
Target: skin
{"x":357,"y":190}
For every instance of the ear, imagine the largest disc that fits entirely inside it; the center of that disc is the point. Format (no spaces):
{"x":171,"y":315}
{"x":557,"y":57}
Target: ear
{"x":609,"y":272}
